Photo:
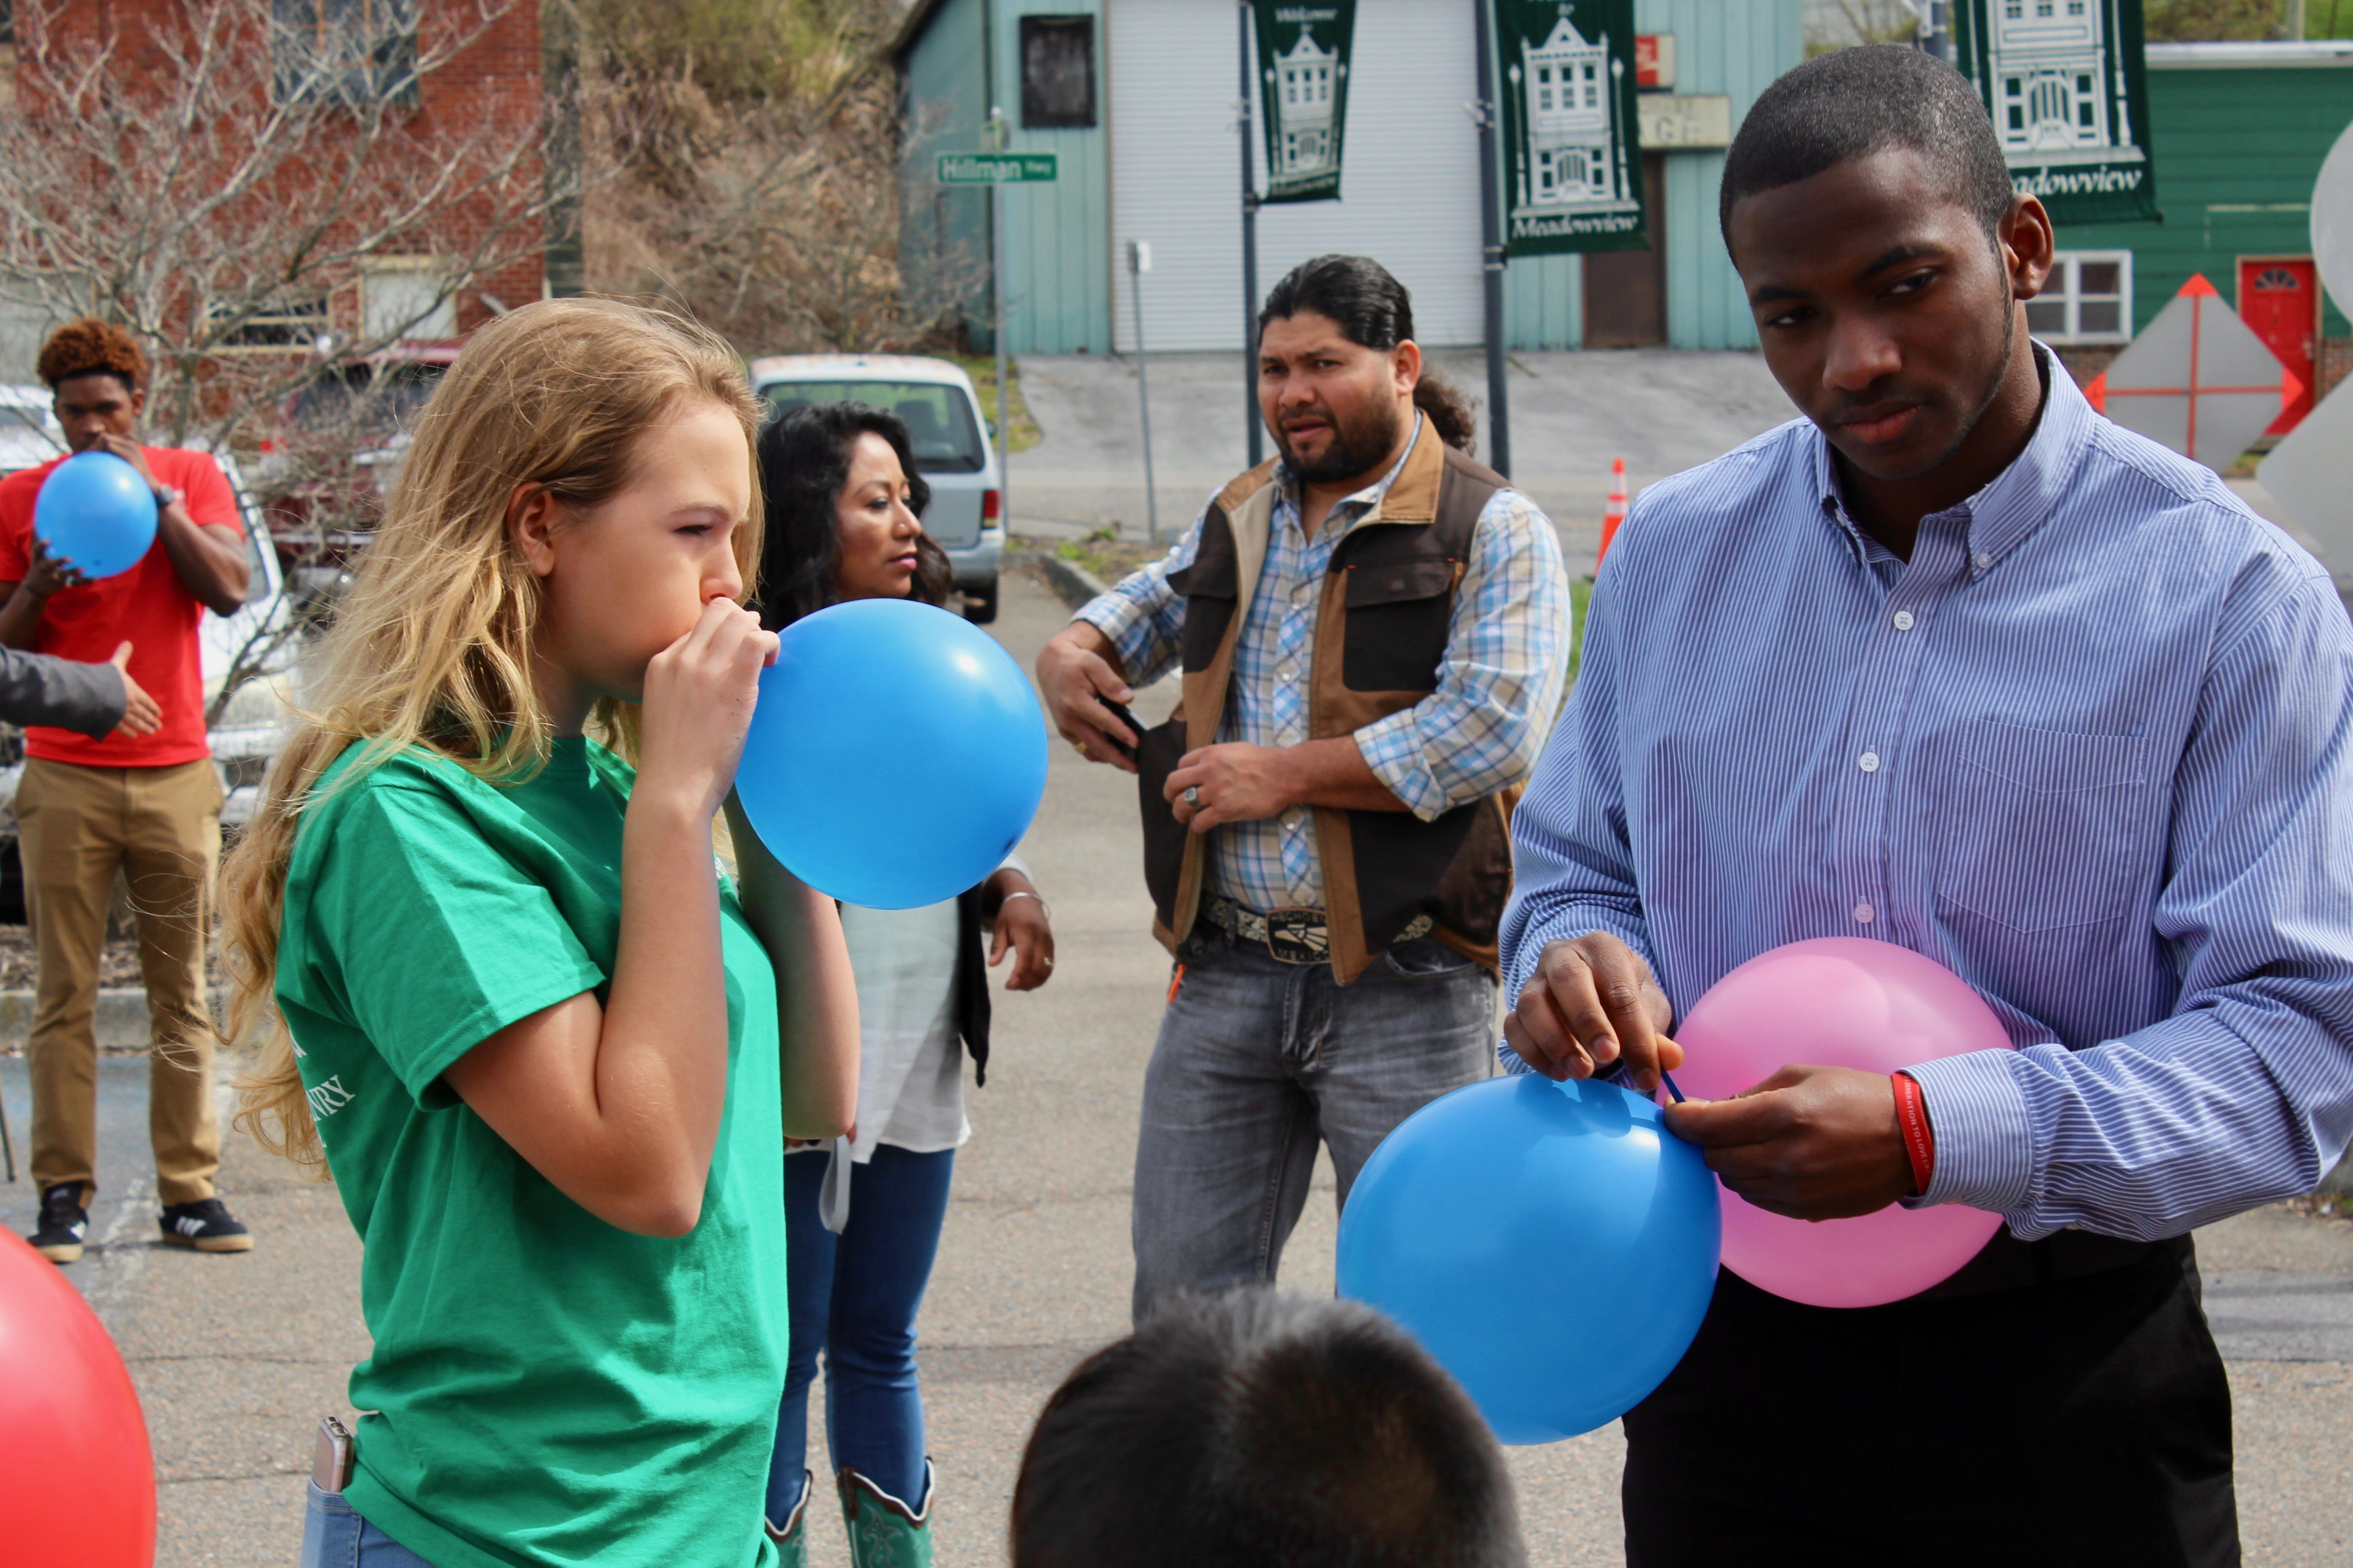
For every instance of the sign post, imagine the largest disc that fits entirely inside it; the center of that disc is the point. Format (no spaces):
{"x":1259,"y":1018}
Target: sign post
{"x":1139,"y":262}
{"x":1249,"y":253}
{"x":997,"y":169}
{"x":1491,"y":245}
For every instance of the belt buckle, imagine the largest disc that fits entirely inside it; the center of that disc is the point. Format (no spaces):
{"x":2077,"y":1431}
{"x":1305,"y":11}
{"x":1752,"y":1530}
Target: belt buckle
{"x":1298,"y":936}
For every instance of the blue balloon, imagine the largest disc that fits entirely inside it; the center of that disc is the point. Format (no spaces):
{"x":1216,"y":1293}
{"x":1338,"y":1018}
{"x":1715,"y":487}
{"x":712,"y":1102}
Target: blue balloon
{"x":896,"y":756}
{"x":1551,"y":1244}
{"x":95,"y":512}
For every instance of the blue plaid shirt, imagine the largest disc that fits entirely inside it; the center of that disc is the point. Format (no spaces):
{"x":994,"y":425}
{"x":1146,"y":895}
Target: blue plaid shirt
{"x":1498,"y":691}
{"x":2091,"y":748}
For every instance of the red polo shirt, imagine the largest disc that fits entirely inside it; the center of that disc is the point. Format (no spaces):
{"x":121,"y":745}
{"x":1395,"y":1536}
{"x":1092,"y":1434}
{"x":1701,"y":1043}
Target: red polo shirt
{"x":147,"y":606}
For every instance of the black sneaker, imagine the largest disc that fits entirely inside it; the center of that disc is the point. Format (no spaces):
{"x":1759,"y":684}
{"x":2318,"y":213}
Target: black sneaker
{"x":63,"y":1222}
{"x":205,"y":1225}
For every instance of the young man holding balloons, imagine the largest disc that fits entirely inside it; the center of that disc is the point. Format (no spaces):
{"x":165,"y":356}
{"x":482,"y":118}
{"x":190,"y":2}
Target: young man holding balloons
{"x":1955,"y":665}
{"x":1373,"y":632}
{"x":146,"y":803}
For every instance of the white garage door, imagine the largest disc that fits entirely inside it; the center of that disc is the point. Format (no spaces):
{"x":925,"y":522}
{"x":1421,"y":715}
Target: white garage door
{"x":1408,"y":184}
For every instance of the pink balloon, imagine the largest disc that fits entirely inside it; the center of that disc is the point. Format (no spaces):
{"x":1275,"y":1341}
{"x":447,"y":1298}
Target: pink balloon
{"x":1838,"y":1002}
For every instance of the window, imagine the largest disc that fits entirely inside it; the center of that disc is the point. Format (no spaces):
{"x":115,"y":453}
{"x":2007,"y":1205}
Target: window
{"x":343,"y":51}
{"x":1592,"y":86}
{"x":276,"y":326}
{"x":1544,"y":87}
{"x":941,"y":429}
{"x":2087,"y":300}
{"x":1057,"y":73}
{"x":407,"y":297}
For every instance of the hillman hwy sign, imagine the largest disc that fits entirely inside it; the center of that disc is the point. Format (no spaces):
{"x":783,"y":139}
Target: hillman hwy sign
{"x":995,"y":168}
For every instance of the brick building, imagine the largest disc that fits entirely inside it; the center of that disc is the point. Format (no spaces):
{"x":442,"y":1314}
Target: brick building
{"x":425,"y":90}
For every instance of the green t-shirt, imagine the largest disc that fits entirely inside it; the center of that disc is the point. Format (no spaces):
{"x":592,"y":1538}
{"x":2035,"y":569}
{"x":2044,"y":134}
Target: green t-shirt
{"x":546,"y":1388}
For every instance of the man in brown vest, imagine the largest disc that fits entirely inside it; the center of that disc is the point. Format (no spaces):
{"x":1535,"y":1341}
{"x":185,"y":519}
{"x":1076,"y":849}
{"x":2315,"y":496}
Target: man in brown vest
{"x":1373,"y":632}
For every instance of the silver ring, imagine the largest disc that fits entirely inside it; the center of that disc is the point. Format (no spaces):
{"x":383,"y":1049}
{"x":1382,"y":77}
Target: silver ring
{"x":1193,"y":797}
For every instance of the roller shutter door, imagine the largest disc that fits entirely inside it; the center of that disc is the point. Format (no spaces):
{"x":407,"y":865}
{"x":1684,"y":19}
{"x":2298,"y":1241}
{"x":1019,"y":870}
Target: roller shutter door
{"x":1409,"y":195}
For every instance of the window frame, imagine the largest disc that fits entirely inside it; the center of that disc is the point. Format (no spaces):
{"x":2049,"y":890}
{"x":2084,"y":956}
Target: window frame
{"x":1037,"y":114}
{"x":372,"y":63}
{"x":2068,"y":266}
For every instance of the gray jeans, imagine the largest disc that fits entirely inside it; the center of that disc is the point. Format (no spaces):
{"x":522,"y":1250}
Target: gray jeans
{"x":1256,"y":1061}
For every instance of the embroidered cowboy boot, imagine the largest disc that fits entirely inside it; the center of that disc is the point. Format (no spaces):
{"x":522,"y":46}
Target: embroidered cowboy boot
{"x":884,"y":1531}
{"x":792,"y":1547}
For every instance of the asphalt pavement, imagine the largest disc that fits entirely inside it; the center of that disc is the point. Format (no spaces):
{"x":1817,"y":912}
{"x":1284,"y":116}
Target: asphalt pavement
{"x":237,"y":1357}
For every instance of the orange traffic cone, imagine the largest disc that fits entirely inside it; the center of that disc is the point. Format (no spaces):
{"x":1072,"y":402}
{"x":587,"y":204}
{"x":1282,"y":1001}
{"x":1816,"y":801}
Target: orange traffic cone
{"x":1615,"y":514}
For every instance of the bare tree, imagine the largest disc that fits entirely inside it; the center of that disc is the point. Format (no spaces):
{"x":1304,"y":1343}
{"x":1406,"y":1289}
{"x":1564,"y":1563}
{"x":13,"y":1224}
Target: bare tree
{"x":223,"y":182}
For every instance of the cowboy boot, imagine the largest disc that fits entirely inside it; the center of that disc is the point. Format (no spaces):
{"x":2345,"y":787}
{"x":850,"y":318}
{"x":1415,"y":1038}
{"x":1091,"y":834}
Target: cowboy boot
{"x":884,"y":1531}
{"x":792,"y":1547}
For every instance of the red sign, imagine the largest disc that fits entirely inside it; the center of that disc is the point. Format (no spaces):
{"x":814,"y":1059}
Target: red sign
{"x":2279,"y":297}
{"x":1654,"y":59}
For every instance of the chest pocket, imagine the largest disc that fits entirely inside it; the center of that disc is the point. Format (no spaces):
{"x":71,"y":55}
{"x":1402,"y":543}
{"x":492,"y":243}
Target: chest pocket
{"x":1398,"y":615}
{"x":2041,"y":828}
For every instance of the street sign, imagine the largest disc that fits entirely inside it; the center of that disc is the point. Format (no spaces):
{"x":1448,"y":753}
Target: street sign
{"x":2196,"y":380}
{"x":997,"y":168}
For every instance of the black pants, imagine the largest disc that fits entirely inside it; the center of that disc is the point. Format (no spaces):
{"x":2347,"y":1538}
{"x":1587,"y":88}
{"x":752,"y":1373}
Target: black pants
{"x":2082,"y":1422}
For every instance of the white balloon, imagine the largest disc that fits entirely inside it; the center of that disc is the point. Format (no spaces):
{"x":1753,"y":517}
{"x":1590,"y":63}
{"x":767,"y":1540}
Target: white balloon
{"x":2332,"y":217}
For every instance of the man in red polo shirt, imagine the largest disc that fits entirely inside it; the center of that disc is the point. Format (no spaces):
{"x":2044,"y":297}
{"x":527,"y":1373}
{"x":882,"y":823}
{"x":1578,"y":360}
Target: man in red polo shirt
{"x":149,"y":804}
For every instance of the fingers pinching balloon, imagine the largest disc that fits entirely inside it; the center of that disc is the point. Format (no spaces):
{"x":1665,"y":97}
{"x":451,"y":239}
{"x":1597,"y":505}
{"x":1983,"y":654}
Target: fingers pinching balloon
{"x":95,"y":513}
{"x":1848,"y":1002}
{"x":896,"y":756}
{"x":1551,"y":1244}
{"x":70,"y":1427}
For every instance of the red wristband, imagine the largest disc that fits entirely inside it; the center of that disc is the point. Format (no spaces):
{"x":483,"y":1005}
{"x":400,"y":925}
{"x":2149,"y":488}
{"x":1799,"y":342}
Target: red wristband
{"x":1919,"y":1138}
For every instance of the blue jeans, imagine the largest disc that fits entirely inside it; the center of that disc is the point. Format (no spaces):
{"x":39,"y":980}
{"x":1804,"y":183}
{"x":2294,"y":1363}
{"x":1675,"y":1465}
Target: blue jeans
{"x":335,"y":1536}
{"x":1257,"y":1061}
{"x":854,"y":1297}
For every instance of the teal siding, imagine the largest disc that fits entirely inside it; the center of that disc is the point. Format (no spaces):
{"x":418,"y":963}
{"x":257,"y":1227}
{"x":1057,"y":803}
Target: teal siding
{"x":2218,"y":156}
{"x":1058,"y":236}
{"x":1732,"y":49}
{"x":943,"y":229}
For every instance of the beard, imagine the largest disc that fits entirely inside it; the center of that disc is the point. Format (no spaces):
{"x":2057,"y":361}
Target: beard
{"x":1355,"y":448}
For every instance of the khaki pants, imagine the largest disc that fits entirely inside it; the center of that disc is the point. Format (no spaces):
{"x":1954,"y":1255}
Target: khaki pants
{"x":162,"y":826}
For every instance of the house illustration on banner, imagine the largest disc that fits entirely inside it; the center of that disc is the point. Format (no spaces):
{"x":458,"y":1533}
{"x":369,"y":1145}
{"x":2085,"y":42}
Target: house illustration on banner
{"x":2056,"y":82}
{"x":1305,"y":80}
{"x":1576,"y":159}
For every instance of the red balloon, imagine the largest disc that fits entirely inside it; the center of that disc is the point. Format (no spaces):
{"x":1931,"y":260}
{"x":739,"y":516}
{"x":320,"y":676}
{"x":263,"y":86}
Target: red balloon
{"x":77,"y":1477}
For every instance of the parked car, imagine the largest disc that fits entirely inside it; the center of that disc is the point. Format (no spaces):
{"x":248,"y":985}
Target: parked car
{"x":952,"y":444}
{"x":252,"y":726}
{"x":326,"y":470}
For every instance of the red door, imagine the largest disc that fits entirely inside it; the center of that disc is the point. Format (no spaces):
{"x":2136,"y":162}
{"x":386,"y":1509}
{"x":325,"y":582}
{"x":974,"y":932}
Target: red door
{"x":2279,"y":297}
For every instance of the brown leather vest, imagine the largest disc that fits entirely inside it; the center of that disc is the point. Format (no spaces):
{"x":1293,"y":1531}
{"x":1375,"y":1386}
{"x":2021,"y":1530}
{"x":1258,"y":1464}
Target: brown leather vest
{"x":1380,"y":642}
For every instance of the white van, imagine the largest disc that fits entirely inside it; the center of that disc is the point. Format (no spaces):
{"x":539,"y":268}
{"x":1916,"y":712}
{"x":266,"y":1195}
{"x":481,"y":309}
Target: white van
{"x":952,"y":445}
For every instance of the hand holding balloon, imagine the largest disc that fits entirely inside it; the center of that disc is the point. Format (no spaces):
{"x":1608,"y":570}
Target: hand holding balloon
{"x":699,"y":697}
{"x":1591,"y":1001}
{"x":1812,"y":1142}
{"x":47,"y":576}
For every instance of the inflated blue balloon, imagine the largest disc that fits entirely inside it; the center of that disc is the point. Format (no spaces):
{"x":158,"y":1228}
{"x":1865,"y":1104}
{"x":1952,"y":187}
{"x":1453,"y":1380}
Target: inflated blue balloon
{"x":1551,"y":1244}
{"x":95,"y":512}
{"x":897,"y":755}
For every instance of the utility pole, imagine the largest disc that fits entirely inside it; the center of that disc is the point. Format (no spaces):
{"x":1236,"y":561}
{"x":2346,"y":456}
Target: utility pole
{"x":1491,"y":221}
{"x":997,"y":276}
{"x":1936,"y":27}
{"x":1250,"y":251}
{"x":1139,"y":262}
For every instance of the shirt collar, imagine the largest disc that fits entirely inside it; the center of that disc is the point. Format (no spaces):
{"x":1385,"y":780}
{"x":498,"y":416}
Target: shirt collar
{"x":2015,"y":502}
{"x":1363,"y":500}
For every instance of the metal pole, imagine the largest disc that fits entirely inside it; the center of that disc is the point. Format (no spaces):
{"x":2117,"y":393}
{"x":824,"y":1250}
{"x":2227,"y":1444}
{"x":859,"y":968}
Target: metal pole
{"x":1139,"y":258}
{"x":1491,"y":221}
{"x":1936,"y":28}
{"x":1249,"y":254}
{"x":1004,"y":385}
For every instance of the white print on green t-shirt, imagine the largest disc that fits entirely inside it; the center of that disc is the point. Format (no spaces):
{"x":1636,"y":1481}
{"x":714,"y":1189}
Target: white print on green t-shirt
{"x":328,"y":1098}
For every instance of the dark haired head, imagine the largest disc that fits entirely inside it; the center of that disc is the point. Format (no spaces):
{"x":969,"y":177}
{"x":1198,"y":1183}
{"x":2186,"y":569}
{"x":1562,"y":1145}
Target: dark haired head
{"x":91,"y":347}
{"x":1375,"y":312}
{"x":1851,"y":103}
{"x":804,"y":466}
{"x":1253,"y":1429}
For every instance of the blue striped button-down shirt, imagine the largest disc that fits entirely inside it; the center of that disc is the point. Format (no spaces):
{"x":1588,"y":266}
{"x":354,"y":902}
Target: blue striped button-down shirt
{"x":1498,"y":689}
{"x":2087,"y":749}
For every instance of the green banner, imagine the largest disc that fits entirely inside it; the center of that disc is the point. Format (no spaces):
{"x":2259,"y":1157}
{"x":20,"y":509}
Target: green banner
{"x":1303,"y":80}
{"x":1572,"y":164}
{"x":2068,"y":90}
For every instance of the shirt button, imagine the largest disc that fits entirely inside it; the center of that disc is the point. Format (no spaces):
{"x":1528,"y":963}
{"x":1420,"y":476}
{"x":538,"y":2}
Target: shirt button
{"x":1904,"y":620}
{"x":1288,"y":672}
{"x":1864,"y":914}
{"x":1868,"y":761}
{"x":1983,"y":560}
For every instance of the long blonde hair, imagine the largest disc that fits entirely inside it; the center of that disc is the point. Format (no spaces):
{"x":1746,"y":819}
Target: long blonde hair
{"x":433,"y":645}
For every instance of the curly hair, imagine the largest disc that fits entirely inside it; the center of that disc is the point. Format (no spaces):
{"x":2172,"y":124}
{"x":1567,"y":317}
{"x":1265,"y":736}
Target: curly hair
{"x":91,"y":347}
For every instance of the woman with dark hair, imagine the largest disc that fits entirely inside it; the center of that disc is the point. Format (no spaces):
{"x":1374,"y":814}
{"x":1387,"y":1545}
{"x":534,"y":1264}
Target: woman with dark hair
{"x":863,"y":1213}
